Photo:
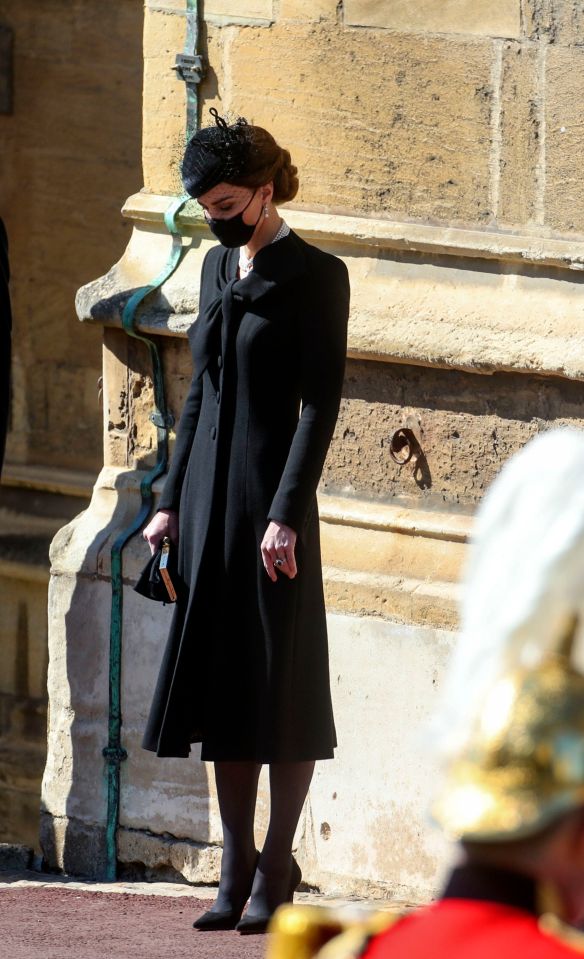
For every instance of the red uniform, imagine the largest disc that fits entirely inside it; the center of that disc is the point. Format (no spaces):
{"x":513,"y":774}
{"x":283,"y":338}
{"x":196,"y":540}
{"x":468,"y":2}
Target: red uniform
{"x":484,"y":913}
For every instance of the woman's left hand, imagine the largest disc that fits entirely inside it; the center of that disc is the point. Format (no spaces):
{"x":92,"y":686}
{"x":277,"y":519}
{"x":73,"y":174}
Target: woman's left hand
{"x":278,"y":551}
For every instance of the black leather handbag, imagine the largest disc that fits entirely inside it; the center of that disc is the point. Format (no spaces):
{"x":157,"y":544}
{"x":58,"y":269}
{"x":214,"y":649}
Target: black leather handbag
{"x":159,"y":580}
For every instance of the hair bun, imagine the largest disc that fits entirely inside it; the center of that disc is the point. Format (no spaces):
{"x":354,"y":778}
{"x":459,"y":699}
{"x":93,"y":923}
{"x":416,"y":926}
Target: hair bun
{"x":285,"y":179}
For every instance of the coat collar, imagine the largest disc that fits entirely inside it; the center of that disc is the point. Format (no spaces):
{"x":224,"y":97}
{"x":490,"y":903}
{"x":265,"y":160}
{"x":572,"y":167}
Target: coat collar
{"x":275,"y":267}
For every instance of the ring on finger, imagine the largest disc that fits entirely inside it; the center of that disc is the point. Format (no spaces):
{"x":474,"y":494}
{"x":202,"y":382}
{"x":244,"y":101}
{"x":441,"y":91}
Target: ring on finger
{"x":279,"y":562}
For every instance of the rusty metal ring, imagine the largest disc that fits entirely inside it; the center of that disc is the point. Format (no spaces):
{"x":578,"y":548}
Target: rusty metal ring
{"x":402,"y":438}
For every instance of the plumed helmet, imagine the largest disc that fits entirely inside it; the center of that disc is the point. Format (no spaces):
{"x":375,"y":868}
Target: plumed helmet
{"x":510,"y":731}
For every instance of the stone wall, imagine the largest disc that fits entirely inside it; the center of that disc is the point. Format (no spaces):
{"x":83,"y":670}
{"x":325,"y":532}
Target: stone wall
{"x":465,"y":112}
{"x":70,"y":155}
{"x":438,"y":149}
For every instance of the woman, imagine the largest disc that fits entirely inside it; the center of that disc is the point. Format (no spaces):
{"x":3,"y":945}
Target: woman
{"x":245,"y":670}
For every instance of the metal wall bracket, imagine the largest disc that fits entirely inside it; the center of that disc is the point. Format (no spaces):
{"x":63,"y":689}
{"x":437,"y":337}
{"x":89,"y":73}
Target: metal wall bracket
{"x":406,"y":442}
{"x":189,"y":67}
{"x":162,"y":421}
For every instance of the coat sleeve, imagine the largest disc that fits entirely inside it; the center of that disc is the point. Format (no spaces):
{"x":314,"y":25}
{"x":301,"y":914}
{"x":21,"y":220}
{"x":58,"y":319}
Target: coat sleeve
{"x":323,"y":351}
{"x":170,"y":497}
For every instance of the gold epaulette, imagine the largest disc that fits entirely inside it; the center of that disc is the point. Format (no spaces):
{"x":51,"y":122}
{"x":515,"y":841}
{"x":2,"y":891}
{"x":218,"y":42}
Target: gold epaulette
{"x":313,"y":932}
{"x":569,"y":936}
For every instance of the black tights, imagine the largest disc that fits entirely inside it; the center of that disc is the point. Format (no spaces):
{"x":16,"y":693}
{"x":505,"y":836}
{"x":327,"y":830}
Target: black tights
{"x":237,"y":785}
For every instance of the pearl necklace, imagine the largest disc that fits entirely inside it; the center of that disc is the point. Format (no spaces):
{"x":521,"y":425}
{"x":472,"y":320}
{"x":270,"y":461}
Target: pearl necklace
{"x":246,"y":262}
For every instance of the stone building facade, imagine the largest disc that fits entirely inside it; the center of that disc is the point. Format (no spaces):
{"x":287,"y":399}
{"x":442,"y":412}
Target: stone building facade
{"x":68,"y":158}
{"x":439,"y":154}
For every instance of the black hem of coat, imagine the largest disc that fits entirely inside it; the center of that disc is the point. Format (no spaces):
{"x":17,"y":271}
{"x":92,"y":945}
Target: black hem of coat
{"x":264,"y":759}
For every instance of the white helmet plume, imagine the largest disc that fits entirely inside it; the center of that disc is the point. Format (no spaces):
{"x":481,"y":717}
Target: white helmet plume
{"x":524,"y":580}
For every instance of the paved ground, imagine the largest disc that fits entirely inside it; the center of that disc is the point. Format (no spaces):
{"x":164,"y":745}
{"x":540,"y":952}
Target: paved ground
{"x":64,"y":920}
{"x":49,"y":917}
{"x":60,"y":923}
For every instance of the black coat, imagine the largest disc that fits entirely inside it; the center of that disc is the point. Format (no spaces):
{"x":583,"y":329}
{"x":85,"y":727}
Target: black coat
{"x":245,"y":669}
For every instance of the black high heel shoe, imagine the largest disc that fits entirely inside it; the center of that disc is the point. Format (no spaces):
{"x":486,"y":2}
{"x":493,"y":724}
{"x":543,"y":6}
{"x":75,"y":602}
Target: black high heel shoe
{"x":255,"y":925}
{"x":216,"y":921}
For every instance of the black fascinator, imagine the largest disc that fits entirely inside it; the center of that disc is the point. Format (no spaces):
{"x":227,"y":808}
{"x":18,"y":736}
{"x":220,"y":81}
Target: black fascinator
{"x":216,"y":154}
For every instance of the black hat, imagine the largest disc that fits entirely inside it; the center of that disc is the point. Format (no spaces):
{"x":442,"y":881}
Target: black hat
{"x":215,"y":155}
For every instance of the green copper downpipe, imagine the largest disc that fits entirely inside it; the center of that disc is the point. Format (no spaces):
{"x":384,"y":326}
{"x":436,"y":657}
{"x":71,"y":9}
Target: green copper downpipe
{"x":189,"y":67}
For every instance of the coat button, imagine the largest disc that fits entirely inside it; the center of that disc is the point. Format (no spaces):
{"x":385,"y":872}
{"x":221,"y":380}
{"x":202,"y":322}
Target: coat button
{"x":219,"y":361}
{"x":213,"y":432}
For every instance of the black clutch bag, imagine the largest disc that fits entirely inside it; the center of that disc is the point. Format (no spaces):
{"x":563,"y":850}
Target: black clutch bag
{"x":159,"y":579}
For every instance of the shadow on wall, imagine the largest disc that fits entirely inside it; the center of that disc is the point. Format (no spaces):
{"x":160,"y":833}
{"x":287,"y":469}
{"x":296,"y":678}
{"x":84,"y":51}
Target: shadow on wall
{"x":71,"y":154}
{"x":157,"y":795}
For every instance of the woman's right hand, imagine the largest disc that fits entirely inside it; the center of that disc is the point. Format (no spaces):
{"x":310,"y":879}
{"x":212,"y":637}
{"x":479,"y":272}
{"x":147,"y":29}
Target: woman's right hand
{"x":164,"y":523}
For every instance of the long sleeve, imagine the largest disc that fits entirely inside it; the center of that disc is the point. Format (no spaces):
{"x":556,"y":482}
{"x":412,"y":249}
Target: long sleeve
{"x":170,"y":497}
{"x":323,"y":355}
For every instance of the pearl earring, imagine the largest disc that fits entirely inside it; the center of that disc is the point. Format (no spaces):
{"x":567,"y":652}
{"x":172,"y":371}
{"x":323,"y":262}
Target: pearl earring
{"x":266,"y":213}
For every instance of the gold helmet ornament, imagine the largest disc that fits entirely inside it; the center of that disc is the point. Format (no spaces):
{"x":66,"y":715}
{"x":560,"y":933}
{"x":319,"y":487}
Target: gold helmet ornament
{"x":510,"y":731}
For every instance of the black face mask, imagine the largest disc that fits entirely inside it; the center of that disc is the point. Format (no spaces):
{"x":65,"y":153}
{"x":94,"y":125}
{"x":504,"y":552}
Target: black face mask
{"x":234,"y":231}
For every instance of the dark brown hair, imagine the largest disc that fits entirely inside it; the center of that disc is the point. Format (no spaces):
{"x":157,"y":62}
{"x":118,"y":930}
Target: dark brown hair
{"x":267,"y":161}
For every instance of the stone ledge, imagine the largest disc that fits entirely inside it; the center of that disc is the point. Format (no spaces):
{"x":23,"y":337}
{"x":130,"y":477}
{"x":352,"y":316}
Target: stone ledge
{"x":48,"y":479}
{"x":422,"y":295}
{"x":389,"y":234}
{"x":148,"y":855}
{"x":397,"y":599}
{"x":393,"y":562}
{"x":25,"y":571}
{"x":372,"y":896}
{"x":221,"y":12}
{"x":390,"y":518}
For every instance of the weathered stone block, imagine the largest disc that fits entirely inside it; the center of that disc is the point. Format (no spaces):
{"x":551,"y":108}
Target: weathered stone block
{"x":74,"y":780}
{"x":15,"y":858}
{"x":520,"y":135}
{"x":168,"y":6}
{"x":164,"y":36}
{"x":130,"y":436}
{"x":239,"y":11}
{"x":556,"y":21}
{"x":308,"y":10}
{"x":164,"y":857}
{"x":472,"y":425}
{"x":74,"y":847}
{"x":398,"y":853}
{"x":537,"y":19}
{"x":408,"y":133}
{"x":493,"y":18}
{"x":564,"y":184}
{"x":164,"y":115}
